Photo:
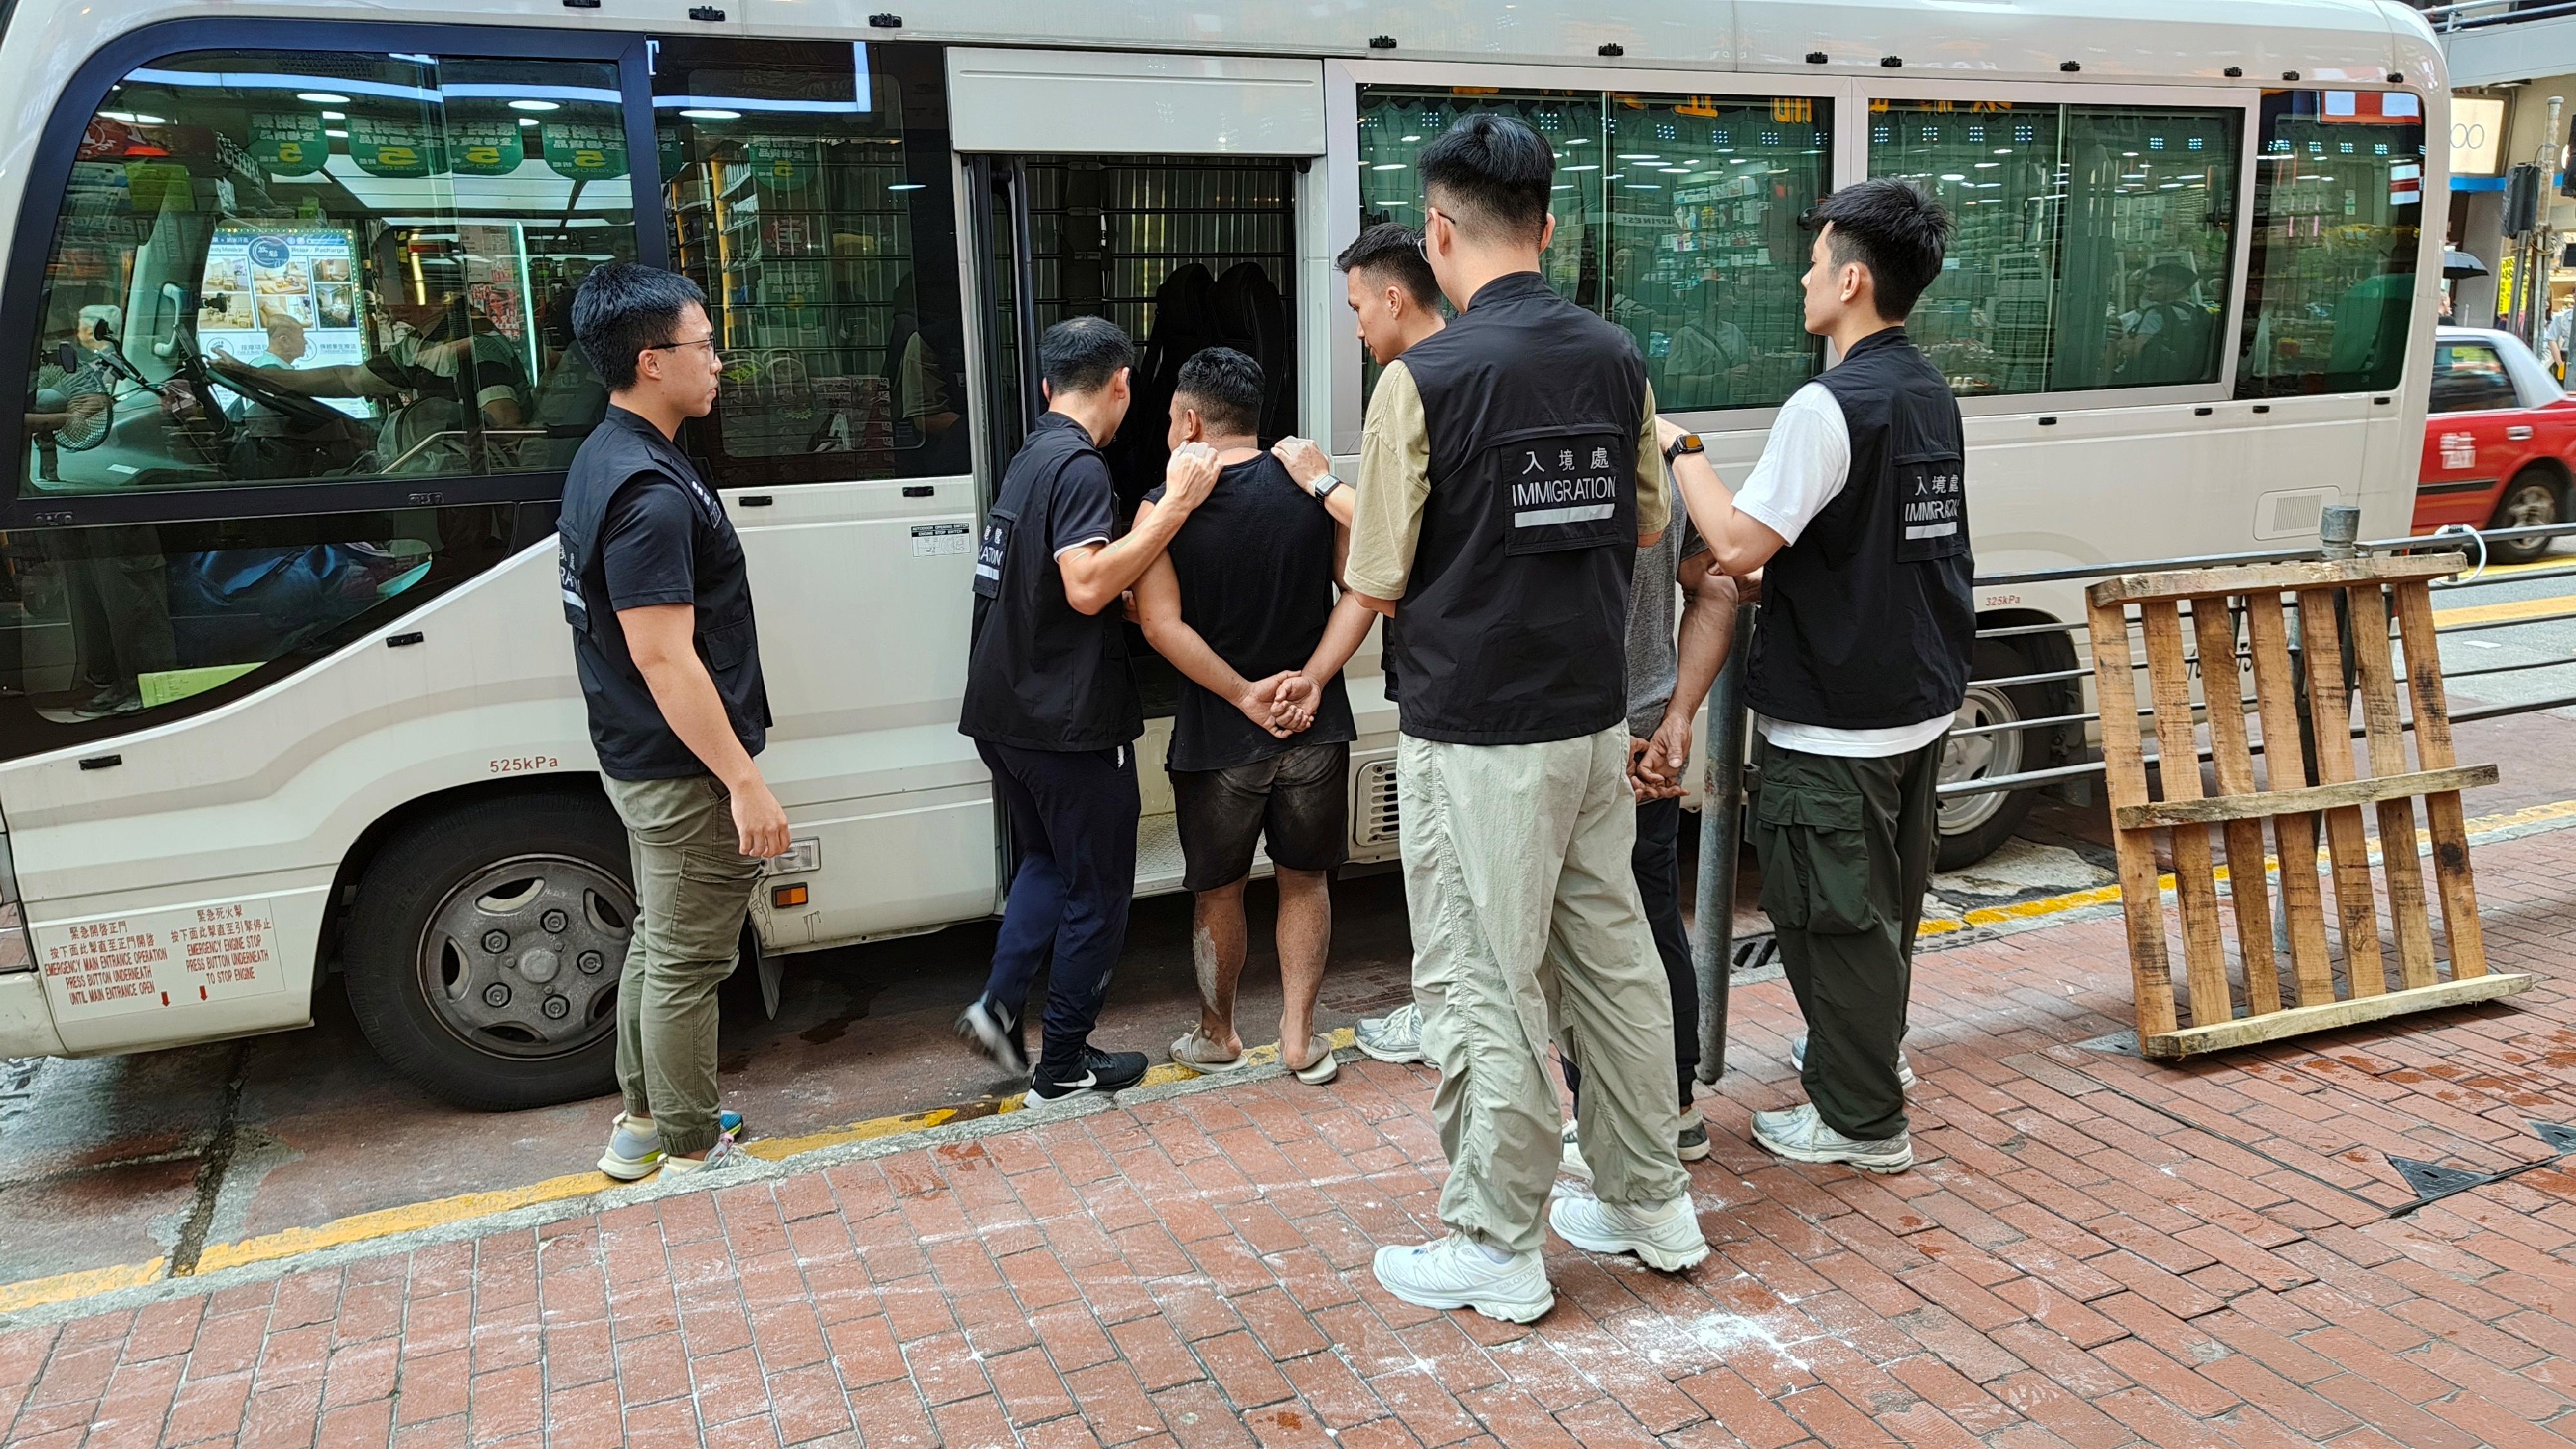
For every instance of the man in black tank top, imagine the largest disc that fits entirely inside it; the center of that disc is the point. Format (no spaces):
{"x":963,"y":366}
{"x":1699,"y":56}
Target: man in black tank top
{"x":1859,"y":509}
{"x":1238,"y":603}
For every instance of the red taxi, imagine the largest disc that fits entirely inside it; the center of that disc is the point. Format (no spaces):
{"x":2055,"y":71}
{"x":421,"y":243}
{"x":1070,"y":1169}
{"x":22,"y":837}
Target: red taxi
{"x":2499,"y":441}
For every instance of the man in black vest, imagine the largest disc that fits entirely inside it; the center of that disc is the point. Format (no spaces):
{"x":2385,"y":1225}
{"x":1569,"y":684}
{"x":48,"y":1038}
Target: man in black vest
{"x":1859,"y":508}
{"x":669,"y":658}
{"x":1508,"y":476}
{"x":1052,"y":708}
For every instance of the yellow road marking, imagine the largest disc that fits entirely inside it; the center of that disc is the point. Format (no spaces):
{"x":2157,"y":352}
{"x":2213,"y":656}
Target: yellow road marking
{"x":2506,"y":571}
{"x":2512,"y":609}
{"x":268,"y":1247}
{"x":63,"y":1287}
{"x":386,"y":1222}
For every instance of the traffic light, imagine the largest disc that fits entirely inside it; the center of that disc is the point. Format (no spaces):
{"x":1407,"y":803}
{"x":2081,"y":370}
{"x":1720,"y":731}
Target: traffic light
{"x":2522,"y":200}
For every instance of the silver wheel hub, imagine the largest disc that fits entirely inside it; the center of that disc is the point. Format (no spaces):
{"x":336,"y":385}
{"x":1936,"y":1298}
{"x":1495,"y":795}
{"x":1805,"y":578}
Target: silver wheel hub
{"x":1979,"y":757}
{"x":492,"y":960}
{"x":2530,"y":507}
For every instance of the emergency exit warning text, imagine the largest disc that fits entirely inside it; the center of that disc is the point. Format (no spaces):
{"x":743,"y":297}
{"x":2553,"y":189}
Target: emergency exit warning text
{"x":160,"y":959}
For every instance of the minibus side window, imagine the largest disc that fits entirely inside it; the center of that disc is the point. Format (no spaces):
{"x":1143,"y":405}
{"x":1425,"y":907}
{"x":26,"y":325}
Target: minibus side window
{"x":2338,"y":214}
{"x":2091,"y":244}
{"x":810,"y":196}
{"x":1676,"y":218}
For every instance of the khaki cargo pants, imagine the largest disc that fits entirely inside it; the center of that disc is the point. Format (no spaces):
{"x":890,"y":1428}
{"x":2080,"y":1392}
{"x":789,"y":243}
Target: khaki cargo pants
{"x":1527,"y":927}
{"x":692,"y":889}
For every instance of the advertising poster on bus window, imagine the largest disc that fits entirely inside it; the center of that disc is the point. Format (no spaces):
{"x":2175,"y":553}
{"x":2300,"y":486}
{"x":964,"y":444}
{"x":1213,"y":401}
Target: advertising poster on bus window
{"x":269,"y":288}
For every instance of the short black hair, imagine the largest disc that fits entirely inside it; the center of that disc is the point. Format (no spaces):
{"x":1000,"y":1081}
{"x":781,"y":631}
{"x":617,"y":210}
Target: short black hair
{"x":623,"y":308}
{"x":1081,"y":354}
{"x":1224,"y":386}
{"x":1892,"y":228}
{"x":1491,"y":175}
{"x":1393,"y":251}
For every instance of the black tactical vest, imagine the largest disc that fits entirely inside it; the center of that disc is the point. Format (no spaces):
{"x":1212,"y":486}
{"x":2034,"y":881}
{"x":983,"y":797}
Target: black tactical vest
{"x":1041,"y":674}
{"x":1515,"y":621}
{"x":626,"y":725}
{"x":1867,"y":621}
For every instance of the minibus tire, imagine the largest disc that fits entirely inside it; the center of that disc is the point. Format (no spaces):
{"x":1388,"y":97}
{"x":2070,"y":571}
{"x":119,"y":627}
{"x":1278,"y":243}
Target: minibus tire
{"x":1971,"y":832}
{"x":527,"y":850}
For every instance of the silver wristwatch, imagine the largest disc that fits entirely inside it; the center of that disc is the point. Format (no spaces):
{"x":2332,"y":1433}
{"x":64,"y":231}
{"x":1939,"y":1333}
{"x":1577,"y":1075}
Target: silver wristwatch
{"x":1323,"y":487}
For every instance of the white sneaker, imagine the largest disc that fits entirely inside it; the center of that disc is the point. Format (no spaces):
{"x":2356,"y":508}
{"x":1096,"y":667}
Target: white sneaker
{"x":1904,"y":1069}
{"x":1665,"y":1236}
{"x":1456,"y":1273}
{"x":1571,"y":1162}
{"x":1396,"y":1037}
{"x":1801,"y":1136}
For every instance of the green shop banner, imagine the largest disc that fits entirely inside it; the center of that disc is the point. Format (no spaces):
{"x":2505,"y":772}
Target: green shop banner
{"x":585,"y":150}
{"x":289,"y":143}
{"x":783,"y":162}
{"x":483,"y":145}
{"x":394,"y":148}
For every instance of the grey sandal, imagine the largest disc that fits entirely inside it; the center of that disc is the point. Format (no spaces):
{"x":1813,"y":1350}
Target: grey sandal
{"x":1195,"y":1051}
{"x":1318,"y":1071}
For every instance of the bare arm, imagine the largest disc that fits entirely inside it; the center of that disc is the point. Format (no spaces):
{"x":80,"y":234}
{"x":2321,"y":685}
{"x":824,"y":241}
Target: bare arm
{"x":662,"y":640}
{"x":1096,"y":574}
{"x":1737,"y":544}
{"x":1158,"y":608}
{"x":1709,"y":600}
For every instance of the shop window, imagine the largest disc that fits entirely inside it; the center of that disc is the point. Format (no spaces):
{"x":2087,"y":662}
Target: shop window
{"x":810,"y":196}
{"x":277,"y":267}
{"x":2338,"y":215}
{"x":2091,"y":244}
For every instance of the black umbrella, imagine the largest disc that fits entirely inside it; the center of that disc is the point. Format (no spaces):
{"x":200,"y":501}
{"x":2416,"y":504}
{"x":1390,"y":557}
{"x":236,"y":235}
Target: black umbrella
{"x":2457,"y":264}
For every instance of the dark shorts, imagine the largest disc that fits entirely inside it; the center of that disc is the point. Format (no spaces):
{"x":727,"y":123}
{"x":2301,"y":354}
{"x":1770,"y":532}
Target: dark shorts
{"x":1301,"y":800}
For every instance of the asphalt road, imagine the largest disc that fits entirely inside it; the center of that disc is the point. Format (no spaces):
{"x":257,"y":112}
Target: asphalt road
{"x":123,"y":1160}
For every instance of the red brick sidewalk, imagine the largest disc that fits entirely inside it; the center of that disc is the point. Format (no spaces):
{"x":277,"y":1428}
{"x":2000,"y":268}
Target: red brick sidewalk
{"x":2094,"y":1251}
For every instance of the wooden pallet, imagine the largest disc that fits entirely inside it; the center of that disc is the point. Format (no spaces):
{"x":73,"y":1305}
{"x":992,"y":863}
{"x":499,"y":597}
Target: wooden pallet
{"x":2237,"y":615}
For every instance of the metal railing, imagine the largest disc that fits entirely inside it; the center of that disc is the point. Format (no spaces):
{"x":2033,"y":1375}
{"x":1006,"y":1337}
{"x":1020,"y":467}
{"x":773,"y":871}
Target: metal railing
{"x":2474,"y":542}
{"x":2479,"y":14}
{"x":1721,"y":829}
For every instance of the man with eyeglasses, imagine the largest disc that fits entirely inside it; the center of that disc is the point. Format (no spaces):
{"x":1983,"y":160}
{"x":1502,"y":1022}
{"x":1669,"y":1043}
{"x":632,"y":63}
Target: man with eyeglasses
{"x":669,"y":656}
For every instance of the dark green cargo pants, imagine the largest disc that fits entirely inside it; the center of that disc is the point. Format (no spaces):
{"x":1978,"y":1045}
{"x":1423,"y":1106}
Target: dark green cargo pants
{"x":1846,"y":849}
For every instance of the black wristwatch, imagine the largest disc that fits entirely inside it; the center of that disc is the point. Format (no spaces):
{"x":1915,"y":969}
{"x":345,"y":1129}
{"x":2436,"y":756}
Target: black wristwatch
{"x":1323,"y":487}
{"x":1686,"y":443}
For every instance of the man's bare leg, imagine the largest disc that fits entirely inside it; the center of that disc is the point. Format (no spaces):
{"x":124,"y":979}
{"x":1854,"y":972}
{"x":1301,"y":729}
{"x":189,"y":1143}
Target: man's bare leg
{"x":1217,"y":947}
{"x":1305,"y":939}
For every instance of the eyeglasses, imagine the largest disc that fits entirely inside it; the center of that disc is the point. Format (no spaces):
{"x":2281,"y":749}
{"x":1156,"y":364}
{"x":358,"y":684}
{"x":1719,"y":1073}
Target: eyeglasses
{"x":708,"y":342}
{"x":1422,"y":238}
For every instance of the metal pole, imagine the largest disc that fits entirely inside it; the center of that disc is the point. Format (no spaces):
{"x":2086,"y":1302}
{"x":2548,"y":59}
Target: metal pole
{"x":2542,"y":233}
{"x":1721,"y":818}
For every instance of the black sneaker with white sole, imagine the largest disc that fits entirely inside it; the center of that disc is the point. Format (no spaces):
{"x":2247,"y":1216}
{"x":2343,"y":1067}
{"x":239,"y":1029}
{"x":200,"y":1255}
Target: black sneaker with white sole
{"x":996,"y":1033}
{"x":1094,"y":1071}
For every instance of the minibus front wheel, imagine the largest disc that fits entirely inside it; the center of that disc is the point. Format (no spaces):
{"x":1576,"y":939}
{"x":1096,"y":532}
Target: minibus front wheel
{"x":484,"y":946}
